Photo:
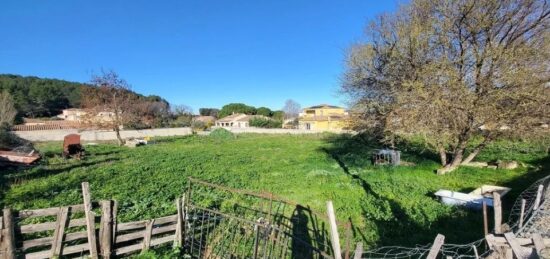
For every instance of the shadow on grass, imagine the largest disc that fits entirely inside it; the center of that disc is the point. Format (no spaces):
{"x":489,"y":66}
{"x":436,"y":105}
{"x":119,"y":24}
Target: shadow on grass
{"x":461,"y":226}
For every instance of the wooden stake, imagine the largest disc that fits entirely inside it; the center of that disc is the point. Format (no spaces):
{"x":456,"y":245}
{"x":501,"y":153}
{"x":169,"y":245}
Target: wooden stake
{"x":114,"y":221}
{"x":147,"y":235}
{"x":59,"y":232}
{"x":438,"y":242}
{"x":256,"y":241}
{"x":334,"y":231}
{"x":539,"y":197}
{"x":179,"y":224}
{"x":9,"y":233}
{"x":522,"y":213}
{"x":516,"y":247}
{"x":485,"y":219}
{"x":358,"y":251}
{"x":106,"y":236}
{"x":90,"y":224}
{"x":497,"y":207}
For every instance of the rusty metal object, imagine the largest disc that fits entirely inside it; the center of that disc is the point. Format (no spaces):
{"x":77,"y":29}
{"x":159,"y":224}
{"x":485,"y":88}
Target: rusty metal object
{"x":72,"y":147}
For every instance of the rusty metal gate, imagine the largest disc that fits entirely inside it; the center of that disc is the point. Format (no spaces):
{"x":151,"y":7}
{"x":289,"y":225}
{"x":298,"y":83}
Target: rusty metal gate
{"x":223,"y":222}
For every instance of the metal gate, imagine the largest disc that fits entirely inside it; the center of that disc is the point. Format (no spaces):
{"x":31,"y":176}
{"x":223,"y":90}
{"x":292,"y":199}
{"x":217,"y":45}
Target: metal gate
{"x":223,"y":222}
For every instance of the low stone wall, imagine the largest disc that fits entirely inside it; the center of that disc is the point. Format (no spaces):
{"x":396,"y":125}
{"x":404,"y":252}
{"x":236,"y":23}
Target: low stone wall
{"x":98,"y":135}
{"x":281,"y":131}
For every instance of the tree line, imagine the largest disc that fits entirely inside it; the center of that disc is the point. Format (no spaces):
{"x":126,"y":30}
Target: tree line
{"x":36,"y":97}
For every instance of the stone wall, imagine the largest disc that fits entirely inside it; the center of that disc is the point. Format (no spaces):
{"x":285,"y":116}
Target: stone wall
{"x":98,"y":135}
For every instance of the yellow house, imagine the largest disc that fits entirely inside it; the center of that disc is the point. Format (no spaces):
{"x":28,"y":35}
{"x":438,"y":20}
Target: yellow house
{"x":323,"y":117}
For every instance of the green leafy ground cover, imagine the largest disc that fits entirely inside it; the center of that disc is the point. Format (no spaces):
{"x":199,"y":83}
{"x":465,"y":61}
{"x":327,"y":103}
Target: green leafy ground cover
{"x":387,"y":205}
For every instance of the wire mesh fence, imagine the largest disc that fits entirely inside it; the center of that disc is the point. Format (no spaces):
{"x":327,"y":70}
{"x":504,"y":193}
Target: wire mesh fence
{"x":478,"y":248}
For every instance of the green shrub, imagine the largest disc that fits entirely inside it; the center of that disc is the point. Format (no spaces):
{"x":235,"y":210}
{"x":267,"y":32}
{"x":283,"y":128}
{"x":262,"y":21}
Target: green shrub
{"x":198,"y":125}
{"x":265,"y":123}
{"x":8,"y":140}
{"x":221,"y":133}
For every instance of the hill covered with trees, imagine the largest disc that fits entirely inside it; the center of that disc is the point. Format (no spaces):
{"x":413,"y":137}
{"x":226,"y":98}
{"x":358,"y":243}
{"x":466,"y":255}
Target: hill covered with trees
{"x":36,"y":97}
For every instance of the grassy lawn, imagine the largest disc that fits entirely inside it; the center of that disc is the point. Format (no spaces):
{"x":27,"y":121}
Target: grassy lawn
{"x":387,"y":205}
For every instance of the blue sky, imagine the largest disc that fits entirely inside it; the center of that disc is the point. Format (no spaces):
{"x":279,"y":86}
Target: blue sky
{"x":200,"y":53}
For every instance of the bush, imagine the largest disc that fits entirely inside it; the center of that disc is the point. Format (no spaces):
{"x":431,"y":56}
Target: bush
{"x":265,"y":123}
{"x":221,"y":133}
{"x":198,"y":125}
{"x":9,"y":141}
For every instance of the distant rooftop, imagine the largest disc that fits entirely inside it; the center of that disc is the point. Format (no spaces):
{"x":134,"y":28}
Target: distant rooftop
{"x":324,"y":106}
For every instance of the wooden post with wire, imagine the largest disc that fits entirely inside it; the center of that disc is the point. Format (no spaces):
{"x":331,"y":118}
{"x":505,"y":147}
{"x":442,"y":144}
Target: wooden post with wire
{"x":522,"y":213}
{"x":438,"y":243}
{"x":539,"y":197}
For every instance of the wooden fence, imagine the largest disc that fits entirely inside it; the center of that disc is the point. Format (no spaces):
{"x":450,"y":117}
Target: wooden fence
{"x":79,"y":230}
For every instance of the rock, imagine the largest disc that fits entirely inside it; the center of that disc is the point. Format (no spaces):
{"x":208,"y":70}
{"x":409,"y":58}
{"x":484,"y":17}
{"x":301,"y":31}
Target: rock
{"x":477,"y":164}
{"x":132,"y":143}
{"x":507,"y":165}
{"x":406,"y":163}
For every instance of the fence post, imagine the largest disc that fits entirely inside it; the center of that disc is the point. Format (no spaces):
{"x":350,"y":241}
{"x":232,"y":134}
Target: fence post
{"x":358,"y":251}
{"x":497,"y":207}
{"x":522,"y":213}
{"x":114,"y":220}
{"x":106,"y":237}
{"x":256,"y":240}
{"x":485,"y":219}
{"x":147,"y":235}
{"x":539,"y":197}
{"x":179,"y":223}
{"x":8,"y":233}
{"x":59,"y":232}
{"x":334,"y":231}
{"x":438,"y":242}
{"x":90,"y":224}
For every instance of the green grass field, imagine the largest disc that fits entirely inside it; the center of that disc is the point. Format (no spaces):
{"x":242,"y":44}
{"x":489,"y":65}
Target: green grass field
{"x":387,"y":205}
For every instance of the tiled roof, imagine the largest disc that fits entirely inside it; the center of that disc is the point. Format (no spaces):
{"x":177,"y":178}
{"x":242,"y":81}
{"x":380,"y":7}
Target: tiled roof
{"x":324,"y":106}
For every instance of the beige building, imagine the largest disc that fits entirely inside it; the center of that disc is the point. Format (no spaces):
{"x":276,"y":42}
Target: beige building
{"x":237,"y":120}
{"x":80,"y":115}
{"x":323,"y":117}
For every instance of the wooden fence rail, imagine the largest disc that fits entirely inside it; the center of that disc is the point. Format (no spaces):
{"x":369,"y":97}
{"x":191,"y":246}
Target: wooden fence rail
{"x":76,"y":230}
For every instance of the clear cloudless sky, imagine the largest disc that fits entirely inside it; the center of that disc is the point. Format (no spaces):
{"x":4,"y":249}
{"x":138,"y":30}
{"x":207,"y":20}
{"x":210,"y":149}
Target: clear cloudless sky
{"x":202,"y":53}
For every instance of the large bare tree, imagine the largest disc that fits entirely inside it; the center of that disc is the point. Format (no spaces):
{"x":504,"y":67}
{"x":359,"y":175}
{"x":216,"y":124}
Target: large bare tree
{"x":110,"y":104}
{"x":7,"y":109}
{"x":291,"y":109}
{"x":454,"y":72}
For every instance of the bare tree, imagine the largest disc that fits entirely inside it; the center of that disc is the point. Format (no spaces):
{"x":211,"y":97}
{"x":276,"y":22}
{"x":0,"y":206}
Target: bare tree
{"x":291,"y":109}
{"x":110,"y":103}
{"x":7,"y":109}
{"x":454,"y":72}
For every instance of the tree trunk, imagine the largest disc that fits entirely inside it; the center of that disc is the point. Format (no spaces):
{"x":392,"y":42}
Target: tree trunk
{"x":442,"y":155}
{"x":458,"y":154}
{"x":476,"y":151}
{"x":119,"y":138}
